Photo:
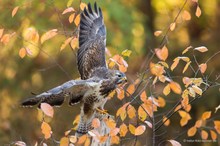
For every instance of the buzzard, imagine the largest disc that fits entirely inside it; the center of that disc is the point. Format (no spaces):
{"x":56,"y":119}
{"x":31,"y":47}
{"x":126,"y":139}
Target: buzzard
{"x":97,"y":81}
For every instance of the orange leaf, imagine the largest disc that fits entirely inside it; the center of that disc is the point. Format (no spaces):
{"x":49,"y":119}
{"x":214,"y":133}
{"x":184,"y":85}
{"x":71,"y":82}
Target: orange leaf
{"x":1,"y":32}
{"x":47,"y":109}
{"x":143,"y":96}
{"x":74,"y":43}
{"x":110,"y":123}
{"x":175,"y":63}
{"x":204,"y":134}
{"x":48,"y":35}
{"x":206,"y":115}
{"x":198,"y":123}
{"x":192,"y":131}
{"x":71,"y":18}
{"x":198,"y":11}
{"x":46,"y":130}
{"x":120,"y":93}
{"x":103,"y":138}
{"x":175,"y":87}
{"x":64,"y":141}
{"x":67,"y":41}
{"x":203,"y":67}
{"x":77,"y":20}
{"x":187,"y":49}
{"x":213,"y":135}
{"x":115,"y":140}
{"x":186,"y":15}
{"x":82,"y":6}
{"x":82,"y":139}
{"x":140,"y":130}
{"x":172,"y":26}
{"x":131,"y":111}
{"x":197,"y":89}
{"x":174,"y":143}
{"x":22,"y":52}
{"x":166,"y":121}
{"x":14,"y":11}
{"x":162,"y":54}
{"x":166,"y":90}
{"x":130,"y":89}
{"x":142,"y":115}
{"x":185,"y":117}
{"x":5,"y":38}
{"x":186,"y":66}
{"x":158,"y":33}
{"x":122,"y":68}
{"x":217,"y":126}
{"x":114,"y":131}
{"x":123,"y":130}
{"x":95,"y":123}
{"x":132,"y":129}
{"x":161,"y":102}
{"x":201,"y":49}
{"x":156,"y":69}
{"x":87,"y":142}
{"x":67,"y":10}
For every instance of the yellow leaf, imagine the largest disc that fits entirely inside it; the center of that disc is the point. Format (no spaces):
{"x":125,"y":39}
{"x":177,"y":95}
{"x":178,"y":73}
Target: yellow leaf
{"x":164,"y":64}
{"x":1,"y":32}
{"x":186,"y":15}
{"x":172,"y":26}
{"x":71,"y":18}
{"x":198,"y":11}
{"x":174,"y":143}
{"x":213,"y":135}
{"x":185,"y":117}
{"x":204,"y":134}
{"x":191,"y":92}
{"x":126,"y":53}
{"x":161,"y":102}
{"x":47,"y":109}
{"x":162,"y":54}
{"x":14,"y":11}
{"x":46,"y":130}
{"x":22,"y":52}
{"x":74,"y":43}
{"x":123,"y":130}
{"x":69,"y":3}
{"x":197,"y":89}
{"x":166,"y":121}
{"x":82,"y":6}
{"x":175,"y":63}
{"x":187,"y":49}
{"x":192,"y":131}
{"x":110,"y":123}
{"x":67,"y":10}
{"x":206,"y":115}
{"x":186,"y":59}
{"x":95,"y":123}
{"x":67,"y":41}
{"x":140,"y":130}
{"x":175,"y":87}
{"x":156,"y":69}
{"x":77,"y":20}
{"x":186,"y":66}
{"x":48,"y":35}
{"x":142,"y":115}
{"x":76,"y":121}
{"x":130,"y":89}
{"x":132,"y":129}
{"x":131,"y":111}
{"x":198,"y":123}
{"x":203,"y":67}
{"x":201,"y":49}
{"x":217,"y":126}
{"x":166,"y":90}
{"x":158,"y":33}
{"x":115,"y":140}
{"x":64,"y":141}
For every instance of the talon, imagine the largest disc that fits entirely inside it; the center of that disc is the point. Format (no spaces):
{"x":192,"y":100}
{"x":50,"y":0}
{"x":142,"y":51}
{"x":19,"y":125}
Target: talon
{"x":102,"y":111}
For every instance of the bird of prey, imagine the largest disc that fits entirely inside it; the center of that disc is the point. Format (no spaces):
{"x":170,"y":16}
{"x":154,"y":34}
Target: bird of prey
{"x":97,"y":81}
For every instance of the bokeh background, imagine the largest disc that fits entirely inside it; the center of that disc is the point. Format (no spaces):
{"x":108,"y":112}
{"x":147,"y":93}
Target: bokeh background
{"x":130,"y":25}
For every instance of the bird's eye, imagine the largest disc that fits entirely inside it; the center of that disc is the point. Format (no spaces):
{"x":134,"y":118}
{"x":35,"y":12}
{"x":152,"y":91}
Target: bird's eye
{"x":119,"y":75}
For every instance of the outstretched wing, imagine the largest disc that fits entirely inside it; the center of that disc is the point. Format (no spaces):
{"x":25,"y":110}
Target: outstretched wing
{"x":75,"y":89}
{"x":92,"y":41}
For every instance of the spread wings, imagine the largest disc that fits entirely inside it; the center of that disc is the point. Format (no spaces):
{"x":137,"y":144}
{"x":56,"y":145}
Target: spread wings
{"x":75,"y":89}
{"x":92,"y":41}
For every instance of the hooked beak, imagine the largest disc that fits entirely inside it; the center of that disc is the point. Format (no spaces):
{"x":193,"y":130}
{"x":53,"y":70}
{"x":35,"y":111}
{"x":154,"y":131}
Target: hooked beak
{"x":122,"y":80}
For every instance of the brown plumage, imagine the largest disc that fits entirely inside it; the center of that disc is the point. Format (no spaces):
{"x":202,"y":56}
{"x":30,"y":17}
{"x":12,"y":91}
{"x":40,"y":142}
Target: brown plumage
{"x":97,"y":80}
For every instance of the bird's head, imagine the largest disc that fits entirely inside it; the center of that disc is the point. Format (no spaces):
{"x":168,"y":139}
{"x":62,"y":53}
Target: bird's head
{"x":118,"y":77}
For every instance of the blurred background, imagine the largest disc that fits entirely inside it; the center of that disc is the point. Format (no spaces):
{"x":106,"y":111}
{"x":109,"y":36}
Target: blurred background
{"x":130,"y":25}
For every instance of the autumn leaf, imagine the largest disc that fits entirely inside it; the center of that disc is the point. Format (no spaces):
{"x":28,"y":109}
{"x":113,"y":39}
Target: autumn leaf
{"x":95,"y":123}
{"x":64,"y":141}
{"x":130,"y":89}
{"x":87,"y":142}
{"x":123,"y":130}
{"x":186,"y":15}
{"x":46,"y":130}
{"x":115,"y":140}
{"x":187,"y":49}
{"x":1,"y":32}
{"x":19,"y":143}
{"x":22,"y":52}
{"x":197,"y":89}
{"x":213,"y":135}
{"x":76,"y":121}
{"x":198,"y":11}
{"x":82,"y":139}
{"x":143,"y":96}
{"x":217,"y":108}
{"x":185,"y":117}
{"x":142,"y":115}
{"x":161,"y":102}
{"x":131,"y":111}
{"x":67,"y":41}
{"x":14,"y":11}
{"x":126,"y":53}
{"x":186,"y":59}
{"x":74,"y":43}
{"x":120,"y":93}
{"x":198,"y":123}
{"x":174,"y":143}
{"x":192,"y":93}
{"x":166,"y":90}
{"x":175,"y":87}
{"x":67,"y":10}
{"x":186,"y":66}
{"x":71,"y":17}
{"x":206,"y":115}
{"x":201,"y":49}
{"x":172,"y":26}
{"x":217,"y":126}
{"x":110,"y":123}
{"x":156,"y":69}
{"x":47,"y":109}
{"x":204,"y":134}
{"x":140,"y":130}
{"x":5,"y":38}
{"x":69,"y":3}
{"x":48,"y":35}
{"x":158,"y":33}
{"x":114,"y":131}
{"x":192,"y":131}
{"x":162,"y":54}
{"x":175,"y":63}
{"x":77,"y":20}
{"x":166,"y":121}
{"x":203,"y":67}
{"x":82,"y":6}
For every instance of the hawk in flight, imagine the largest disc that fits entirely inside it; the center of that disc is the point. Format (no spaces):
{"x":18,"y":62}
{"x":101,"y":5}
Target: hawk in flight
{"x":97,"y":81}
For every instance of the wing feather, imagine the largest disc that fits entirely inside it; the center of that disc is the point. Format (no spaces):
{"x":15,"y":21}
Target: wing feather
{"x":92,"y":41}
